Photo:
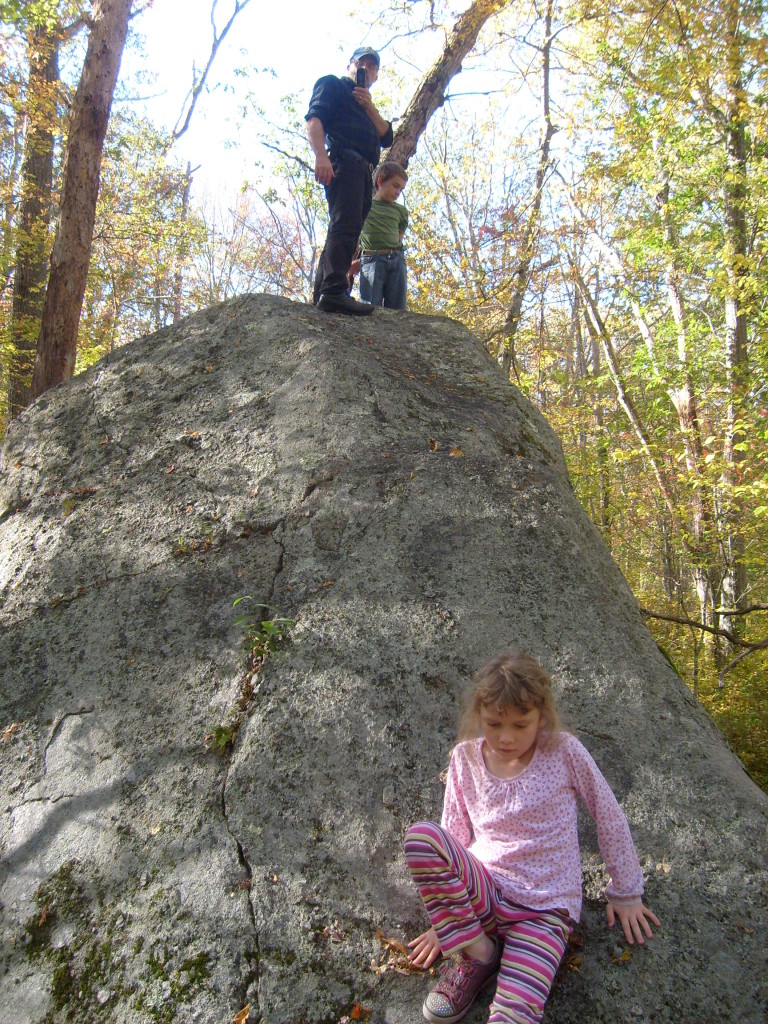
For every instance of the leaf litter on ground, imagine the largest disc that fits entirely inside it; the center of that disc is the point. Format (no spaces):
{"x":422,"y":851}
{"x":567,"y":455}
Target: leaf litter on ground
{"x":396,"y":955}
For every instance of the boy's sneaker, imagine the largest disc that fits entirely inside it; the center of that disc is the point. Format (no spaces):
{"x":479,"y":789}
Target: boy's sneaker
{"x":462,"y":980}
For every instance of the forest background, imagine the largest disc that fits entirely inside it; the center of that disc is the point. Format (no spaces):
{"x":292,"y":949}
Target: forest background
{"x":588,"y":195}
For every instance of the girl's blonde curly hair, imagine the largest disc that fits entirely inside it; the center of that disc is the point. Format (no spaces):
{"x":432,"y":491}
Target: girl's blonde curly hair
{"x":512,"y":679}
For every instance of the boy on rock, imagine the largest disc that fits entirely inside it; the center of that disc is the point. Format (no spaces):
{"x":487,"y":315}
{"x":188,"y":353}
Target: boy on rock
{"x":382,"y":259}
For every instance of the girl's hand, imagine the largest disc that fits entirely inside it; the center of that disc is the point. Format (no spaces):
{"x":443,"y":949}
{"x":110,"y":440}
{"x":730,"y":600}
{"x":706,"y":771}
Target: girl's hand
{"x":634,"y":920}
{"x":425,"y":949}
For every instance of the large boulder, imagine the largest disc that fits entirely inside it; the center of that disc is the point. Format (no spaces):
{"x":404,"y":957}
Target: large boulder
{"x":381,"y":484}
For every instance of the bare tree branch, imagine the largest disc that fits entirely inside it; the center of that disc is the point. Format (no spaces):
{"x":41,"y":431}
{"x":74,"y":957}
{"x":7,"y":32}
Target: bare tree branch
{"x":751,"y":648}
{"x":199,"y":82}
{"x":695,"y":624}
{"x":289,"y":156}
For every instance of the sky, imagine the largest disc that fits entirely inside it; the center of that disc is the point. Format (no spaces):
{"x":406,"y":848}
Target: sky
{"x":300,"y":40}
{"x":286,"y":45}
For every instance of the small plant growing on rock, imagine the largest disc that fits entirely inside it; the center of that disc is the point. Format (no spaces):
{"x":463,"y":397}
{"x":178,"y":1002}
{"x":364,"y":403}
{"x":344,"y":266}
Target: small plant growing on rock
{"x":262,"y":636}
{"x":220,"y":739}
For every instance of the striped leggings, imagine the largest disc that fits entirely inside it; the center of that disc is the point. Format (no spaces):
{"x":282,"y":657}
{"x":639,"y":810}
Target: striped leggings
{"x":463,"y":901}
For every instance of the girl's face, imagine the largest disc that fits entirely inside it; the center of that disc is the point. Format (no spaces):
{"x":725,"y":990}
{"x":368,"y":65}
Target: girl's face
{"x":510,"y":736}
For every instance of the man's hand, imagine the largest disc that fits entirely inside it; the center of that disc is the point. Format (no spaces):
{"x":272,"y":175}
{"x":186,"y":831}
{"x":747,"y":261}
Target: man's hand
{"x":316,"y":135}
{"x":323,"y":169}
{"x":634,"y":921}
{"x":426,"y":949}
{"x":363,"y":97}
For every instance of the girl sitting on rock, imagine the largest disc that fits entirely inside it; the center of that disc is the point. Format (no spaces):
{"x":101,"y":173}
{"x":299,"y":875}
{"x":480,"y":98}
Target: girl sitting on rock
{"x":501,"y":876}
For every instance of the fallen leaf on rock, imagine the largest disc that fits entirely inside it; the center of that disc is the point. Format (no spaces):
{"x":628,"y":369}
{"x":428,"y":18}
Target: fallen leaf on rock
{"x":391,"y":943}
{"x":433,"y":444}
{"x":10,"y":730}
{"x":242,"y":1017}
{"x":455,"y":452}
{"x":360,"y":1012}
{"x":397,"y":957}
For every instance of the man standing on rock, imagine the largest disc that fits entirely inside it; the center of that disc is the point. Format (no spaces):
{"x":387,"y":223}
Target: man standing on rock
{"x":342,"y":117}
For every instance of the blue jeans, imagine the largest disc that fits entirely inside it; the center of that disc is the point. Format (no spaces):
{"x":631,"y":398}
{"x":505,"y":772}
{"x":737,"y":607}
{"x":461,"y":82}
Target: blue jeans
{"x":383,"y":280}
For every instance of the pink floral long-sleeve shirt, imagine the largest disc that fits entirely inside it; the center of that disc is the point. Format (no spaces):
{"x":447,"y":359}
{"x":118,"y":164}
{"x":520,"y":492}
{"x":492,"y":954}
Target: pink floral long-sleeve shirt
{"x":524,"y":829}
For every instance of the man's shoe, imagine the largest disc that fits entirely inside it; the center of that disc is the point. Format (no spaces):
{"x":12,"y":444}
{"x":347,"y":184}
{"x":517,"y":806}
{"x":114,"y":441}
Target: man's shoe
{"x":343,"y":303}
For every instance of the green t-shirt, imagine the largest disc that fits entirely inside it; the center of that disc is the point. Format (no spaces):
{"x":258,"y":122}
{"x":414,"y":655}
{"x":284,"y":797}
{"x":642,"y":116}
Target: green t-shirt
{"x":384,"y":225}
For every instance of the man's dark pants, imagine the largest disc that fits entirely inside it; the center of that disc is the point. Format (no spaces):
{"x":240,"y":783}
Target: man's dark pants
{"x":349,"y":198}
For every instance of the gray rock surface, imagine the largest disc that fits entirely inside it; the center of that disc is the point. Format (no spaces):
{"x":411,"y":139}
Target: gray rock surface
{"x":381,"y":484}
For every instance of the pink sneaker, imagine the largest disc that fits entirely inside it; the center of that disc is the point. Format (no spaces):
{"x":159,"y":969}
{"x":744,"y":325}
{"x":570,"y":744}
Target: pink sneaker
{"x":462,"y":980}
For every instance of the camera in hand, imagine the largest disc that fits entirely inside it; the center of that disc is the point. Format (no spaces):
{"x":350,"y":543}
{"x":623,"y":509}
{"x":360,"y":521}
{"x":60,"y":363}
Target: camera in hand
{"x":360,"y":77}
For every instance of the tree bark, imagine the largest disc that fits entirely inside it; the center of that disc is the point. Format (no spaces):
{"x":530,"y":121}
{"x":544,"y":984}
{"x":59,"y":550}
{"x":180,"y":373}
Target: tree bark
{"x":32,"y":240}
{"x":431,"y":93}
{"x":57,"y":343}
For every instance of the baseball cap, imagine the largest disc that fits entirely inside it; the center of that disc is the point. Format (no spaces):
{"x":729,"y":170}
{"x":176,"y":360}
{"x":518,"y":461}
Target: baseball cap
{"x":365,"y":51}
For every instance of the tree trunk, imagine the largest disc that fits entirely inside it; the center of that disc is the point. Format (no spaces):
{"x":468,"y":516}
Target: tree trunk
{"x":178,"y":281}
{"x":32,"y":241}
{"x":526,"y":253}
{"x":705,"y":573}
{"x":735,"y":201}
{"x":57,"y":344}
{"x":431,"y":93}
